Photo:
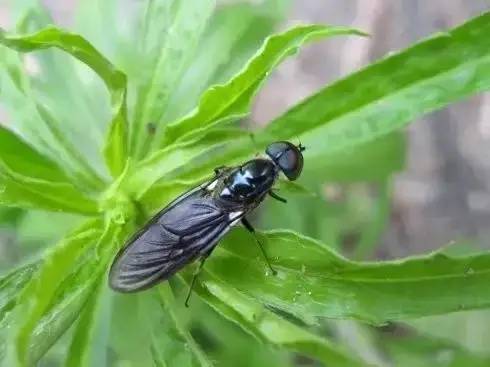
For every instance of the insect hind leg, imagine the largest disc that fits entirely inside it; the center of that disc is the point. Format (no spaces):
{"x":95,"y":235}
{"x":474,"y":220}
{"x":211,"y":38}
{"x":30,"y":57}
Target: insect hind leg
{"x":251,"y":229}
{"x":196,"y":274}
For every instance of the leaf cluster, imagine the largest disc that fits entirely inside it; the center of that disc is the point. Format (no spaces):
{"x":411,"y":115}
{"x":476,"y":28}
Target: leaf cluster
{"x":117,"y":119}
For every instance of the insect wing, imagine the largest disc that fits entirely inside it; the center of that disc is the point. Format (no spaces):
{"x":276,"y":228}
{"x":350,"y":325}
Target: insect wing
{"x":188,"y":228}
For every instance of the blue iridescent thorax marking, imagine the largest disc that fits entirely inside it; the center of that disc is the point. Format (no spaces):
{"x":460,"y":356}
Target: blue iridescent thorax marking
{"x":253,"y":179}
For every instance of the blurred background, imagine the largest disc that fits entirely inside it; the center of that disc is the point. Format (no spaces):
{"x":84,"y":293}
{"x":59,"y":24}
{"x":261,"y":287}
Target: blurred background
{"x":439,"y":196}
{"x":443,"y":193}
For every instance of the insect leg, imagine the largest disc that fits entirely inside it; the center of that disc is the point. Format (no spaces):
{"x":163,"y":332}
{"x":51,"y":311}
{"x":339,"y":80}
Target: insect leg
{"x":277,"y":197}
{"x":196,"y":274}
{"x":251,"y":229}
{"x":219,"y":170}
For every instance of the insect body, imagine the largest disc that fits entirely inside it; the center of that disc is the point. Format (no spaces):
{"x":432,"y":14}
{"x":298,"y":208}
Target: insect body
{"x":190,"y":227}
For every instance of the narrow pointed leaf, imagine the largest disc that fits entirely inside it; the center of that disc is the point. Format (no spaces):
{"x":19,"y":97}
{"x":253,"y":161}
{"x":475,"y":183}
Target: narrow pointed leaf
{"x":57,"y":294}
{"x":116,"y":146}
{"x":172,"y":343}
{"x":38,"y":125}
{"x":75,"y":291}
{"x":234,"y":33}
{"x":27,"y":192}
{"x":11,"y":286}
{"x":379,"y":99}
{"x":38,"y":295}
{"x":390,"y":93}
{"x":83,"y":338}
{"x":178,"y":156}
{"x":174,"y":28}
{"x":268,"y":327}
{"x":75,"y":45}
{"x":29,"y":179}
{"x":314,"y":281}
{"x":82,"y":117}
{"x":232,"y":100}
{"x":20,"y":157}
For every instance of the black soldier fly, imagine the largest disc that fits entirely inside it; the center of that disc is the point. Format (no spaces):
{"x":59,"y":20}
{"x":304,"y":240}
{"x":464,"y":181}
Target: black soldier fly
{"x":191,"y":226}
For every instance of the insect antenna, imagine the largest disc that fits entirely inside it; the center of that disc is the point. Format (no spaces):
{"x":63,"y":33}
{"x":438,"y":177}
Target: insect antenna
{"x":251,"y":135}
{"x":300,"y":146}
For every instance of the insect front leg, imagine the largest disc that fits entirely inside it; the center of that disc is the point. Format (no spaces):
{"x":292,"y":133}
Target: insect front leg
{"x":219,"y":170}
{"x":251,"y":229}
{"x":277,"y":197}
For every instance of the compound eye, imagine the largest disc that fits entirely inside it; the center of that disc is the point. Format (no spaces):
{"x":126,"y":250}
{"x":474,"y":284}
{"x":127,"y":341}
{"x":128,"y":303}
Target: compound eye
{"x":288,"y":157}
{"x":275,"y":150}
{"x":291,"y":163}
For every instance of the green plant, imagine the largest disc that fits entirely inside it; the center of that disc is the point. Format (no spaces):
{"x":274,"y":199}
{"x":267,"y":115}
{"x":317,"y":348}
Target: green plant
{"x":64,"y":118}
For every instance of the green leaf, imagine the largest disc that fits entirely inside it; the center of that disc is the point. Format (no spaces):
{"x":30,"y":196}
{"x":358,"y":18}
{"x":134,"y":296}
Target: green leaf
{"x":115,"y":149}
{"x":379,"y":99}
{"x":99,"y":22}
{"x":71,"y":299}
{"x":30,"y":192}
{"x":166,"y":160}
{"x":233,"y":153}
{"x":64,"y":311}
{"x":230,"y":344}
{"x":29,"y":179}
{"x":75,"y":45}
{"x":364,"y":162}
{"x":82,"y":341}
{"x":72,"y":44}
{"x":267,"y":18}
{"x":314,"y":281}
{"x":11,"y":217}
{"x":38,"y":295}
{"x":18,"y":156}
{"x":266,"y":326}
{"x":132,"y":313}
{"x":233,"y":34}
{"x":54,"y":305}
{"x":179,"y":25}
{"x":232,"y":100}
{"x":10,"y":286}
{"x":163,"y":193}
{"x":390,"y":93}
{"x":172,"y":343}
{"x":39,"y":126}
{"x":51,"y":87}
